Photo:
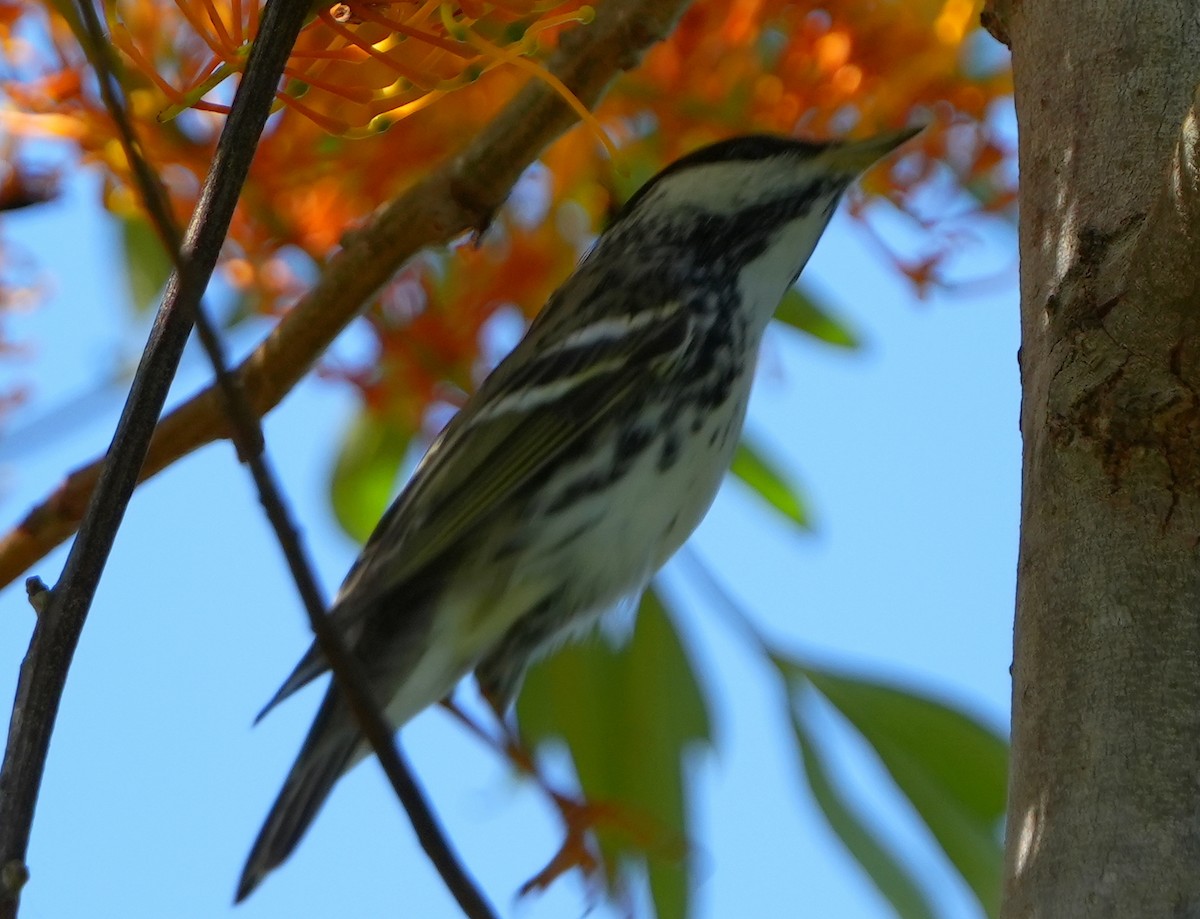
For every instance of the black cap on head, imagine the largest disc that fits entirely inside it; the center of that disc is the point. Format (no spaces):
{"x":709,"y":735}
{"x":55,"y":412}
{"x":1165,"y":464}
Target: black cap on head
{"x":744,"y":148}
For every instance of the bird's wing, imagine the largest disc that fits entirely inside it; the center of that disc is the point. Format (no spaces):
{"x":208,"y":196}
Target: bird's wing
{"x":558,"y":385}
{"x":555,"y":389}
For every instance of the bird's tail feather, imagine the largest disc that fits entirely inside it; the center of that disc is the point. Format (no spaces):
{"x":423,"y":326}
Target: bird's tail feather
{"x":328,"y":751}
{"x":311,"y":666}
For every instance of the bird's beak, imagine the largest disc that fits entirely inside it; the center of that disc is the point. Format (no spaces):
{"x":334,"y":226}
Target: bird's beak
{"x":857,"y":156}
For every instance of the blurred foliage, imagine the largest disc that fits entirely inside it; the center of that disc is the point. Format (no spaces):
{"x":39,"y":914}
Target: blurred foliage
{"x":147,"y":263}
{"x":630,"y":717}
{"x":800,"y":311}
{"x":364,"y":477}
{"x":951,"y":768}
{"x":379,"y":92}
{"x":769,"y":483}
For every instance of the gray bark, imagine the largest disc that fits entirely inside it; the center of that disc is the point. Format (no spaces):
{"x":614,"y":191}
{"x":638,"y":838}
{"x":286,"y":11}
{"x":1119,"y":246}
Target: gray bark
{"x":1104,"y":810}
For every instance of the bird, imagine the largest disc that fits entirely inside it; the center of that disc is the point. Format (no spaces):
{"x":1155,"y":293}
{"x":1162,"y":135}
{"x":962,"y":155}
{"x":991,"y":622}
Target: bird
{"x":584,"y":460}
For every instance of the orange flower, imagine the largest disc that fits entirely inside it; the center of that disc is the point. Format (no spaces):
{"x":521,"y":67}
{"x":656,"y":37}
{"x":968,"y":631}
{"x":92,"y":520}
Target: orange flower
{"x":433,"y":73}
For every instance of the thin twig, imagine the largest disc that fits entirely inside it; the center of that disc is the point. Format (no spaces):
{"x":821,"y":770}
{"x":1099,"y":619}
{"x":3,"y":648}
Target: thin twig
{"x":460,"y":195}
{"x":248,"y":437}
{"x":44,"y":671}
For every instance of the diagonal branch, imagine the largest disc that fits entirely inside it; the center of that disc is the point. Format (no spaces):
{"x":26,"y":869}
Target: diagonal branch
{"x":251,"y":448}
{"x":44,"y":670}
{"x":463,"y":194}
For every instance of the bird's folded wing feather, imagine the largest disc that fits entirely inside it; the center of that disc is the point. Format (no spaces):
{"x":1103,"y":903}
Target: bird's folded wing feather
{"x":561,"y":382}
{"x":534,"y":408}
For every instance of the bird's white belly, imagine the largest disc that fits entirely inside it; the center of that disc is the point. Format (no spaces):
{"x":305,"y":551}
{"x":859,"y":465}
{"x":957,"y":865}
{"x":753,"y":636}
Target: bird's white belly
{"x":591,"y":558}
{"x":619,"y":536}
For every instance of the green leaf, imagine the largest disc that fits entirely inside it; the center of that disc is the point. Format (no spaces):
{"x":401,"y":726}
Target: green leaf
{"x":800,"y":311}
{"x":766,"y":481}
{"x":890,"y":875}
{"x":629,"y":716}
{"x":952,"y":768}
{"x":364,"y":475}
{"x":147,"y":263}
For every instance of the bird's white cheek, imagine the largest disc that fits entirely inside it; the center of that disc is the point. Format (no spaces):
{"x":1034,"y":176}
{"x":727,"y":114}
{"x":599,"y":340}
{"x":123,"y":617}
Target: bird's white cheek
{"x":765,"y":280}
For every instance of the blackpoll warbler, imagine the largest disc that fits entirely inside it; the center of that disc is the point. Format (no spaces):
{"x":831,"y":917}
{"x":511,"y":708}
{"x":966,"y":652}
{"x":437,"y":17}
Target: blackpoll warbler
{"x":585,"y":459}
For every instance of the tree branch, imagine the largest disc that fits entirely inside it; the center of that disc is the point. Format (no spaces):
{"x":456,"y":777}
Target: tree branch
{"x":463,"y":194}
{"x":251,"y":448}
{"x":44,"y":670}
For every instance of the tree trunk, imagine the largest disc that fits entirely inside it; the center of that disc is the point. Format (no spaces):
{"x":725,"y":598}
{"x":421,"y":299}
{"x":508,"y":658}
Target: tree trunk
{"x":1104,"y":810}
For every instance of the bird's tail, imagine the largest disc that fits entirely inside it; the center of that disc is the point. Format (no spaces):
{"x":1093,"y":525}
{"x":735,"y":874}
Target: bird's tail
{"x":328,"y":751}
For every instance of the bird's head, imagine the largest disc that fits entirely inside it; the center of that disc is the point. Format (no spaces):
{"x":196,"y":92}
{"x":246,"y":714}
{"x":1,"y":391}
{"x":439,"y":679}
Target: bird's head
{"x":743,"y":214}
{"x":734,"y":176}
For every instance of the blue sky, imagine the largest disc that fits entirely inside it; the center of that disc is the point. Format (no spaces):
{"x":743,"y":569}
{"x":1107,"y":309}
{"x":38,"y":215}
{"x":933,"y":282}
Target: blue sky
{"x":908,"y":451}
